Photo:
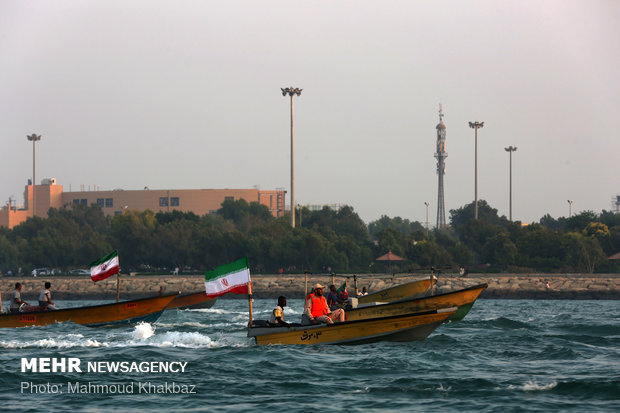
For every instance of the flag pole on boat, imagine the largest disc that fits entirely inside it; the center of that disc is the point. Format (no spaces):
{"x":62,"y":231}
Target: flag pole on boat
{"x":250,"y":302}
{"x":306,"y":291}
{"x":1,"y":307}
{"x":118,"y":286}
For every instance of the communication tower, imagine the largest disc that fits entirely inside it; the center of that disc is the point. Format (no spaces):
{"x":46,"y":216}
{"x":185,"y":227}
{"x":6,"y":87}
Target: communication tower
{"x":441,"y":156}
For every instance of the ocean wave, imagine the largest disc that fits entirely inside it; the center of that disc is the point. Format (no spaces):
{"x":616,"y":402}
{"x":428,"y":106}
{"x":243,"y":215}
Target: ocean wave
{"x":184,"y":324}
{"x":53,"y":343}
{"x":192,"y":340}
{"x":214,"y":311}
{"x":506,"y":324}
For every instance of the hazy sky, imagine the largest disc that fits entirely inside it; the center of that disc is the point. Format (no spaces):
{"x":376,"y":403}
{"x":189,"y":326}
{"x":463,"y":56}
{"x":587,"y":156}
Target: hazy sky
{"x":186,"y":94}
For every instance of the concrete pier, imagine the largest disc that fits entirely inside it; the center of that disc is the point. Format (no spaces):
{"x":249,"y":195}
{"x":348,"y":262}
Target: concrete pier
{"x":510,"y":286}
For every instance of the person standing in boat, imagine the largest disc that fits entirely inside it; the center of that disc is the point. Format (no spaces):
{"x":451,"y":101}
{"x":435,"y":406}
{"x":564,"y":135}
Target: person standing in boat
{"x":45,"y":298}
{"x":16,"y":299}
{"x":317,"y":309}
{"x":277,"y":315}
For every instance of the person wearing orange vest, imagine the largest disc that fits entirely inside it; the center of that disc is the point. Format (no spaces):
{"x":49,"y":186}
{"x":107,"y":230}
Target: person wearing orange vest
{"x":317,"y":309}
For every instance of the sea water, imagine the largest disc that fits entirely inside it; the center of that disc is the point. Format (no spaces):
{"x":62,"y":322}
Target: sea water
{"x":505,"y":356}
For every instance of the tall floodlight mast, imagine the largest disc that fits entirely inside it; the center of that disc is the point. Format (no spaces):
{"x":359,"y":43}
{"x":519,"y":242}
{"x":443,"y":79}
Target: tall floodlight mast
{"x":34,"y":138}
{"x":441,"y":156}
{"x":292,"y":91}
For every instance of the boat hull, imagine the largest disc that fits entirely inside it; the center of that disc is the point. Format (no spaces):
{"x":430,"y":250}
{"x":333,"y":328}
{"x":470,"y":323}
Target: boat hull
{"x":123,"y":313}
{"x":407,"y":327}
{"x":192,"y":301}
{"x":410,"y":289}
{"x":462,"y":299}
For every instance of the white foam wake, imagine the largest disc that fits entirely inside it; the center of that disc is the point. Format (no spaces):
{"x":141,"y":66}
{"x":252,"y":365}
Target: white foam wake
{"x":143,"y":331}
{"x":533,"y":386}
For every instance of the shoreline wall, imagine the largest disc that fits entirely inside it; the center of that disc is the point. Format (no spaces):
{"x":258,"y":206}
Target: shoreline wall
{"x":504,"y":286}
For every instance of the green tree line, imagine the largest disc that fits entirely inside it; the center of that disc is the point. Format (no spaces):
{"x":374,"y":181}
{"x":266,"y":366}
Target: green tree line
{"x":324,"y":241}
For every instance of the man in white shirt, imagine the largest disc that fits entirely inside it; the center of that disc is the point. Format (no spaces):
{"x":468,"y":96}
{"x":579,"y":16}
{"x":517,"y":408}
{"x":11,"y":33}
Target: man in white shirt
{"x":45,"y":298}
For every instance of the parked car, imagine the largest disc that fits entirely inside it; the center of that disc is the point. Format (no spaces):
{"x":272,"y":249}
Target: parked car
{"x":41,"y":271}
{"x":79,"y":272}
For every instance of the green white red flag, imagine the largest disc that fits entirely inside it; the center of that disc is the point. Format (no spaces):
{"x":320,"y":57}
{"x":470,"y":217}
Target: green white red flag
{"x":104,"y":267}
{"x":230,"y":278}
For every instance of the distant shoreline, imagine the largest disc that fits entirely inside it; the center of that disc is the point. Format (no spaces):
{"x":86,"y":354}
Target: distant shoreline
{"x":501,"y":286}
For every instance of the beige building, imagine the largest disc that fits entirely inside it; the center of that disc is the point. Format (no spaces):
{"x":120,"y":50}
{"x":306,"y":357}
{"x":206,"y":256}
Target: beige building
{"x":199,"y":201}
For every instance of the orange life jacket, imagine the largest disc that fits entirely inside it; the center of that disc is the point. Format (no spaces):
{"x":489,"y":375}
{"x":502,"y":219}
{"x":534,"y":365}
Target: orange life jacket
{"x":319,"y":306}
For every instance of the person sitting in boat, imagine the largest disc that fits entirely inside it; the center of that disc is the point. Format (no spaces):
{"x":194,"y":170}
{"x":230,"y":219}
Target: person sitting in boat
{"x":16,"y":299}
{"x":332,"y":298}
{"x":343,"y":295}
{"x":363,"y":292}
{"x":277,"y":315}
{"x":45,"y":298}
{"x":317,"y":309}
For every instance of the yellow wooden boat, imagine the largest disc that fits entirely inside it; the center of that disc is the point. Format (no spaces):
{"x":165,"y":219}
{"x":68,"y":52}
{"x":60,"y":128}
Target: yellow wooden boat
{"x":405,"y":327}
{"x":410,"y":289}
{"x":192,"y":301}
{"x":462,"y":299}
{"x":125,"y":312}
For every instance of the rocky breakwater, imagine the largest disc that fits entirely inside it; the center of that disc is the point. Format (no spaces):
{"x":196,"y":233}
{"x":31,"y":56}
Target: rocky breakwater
{"x":507,"y":286}
{"x":512,"y":286}
{"x":540,"y":286}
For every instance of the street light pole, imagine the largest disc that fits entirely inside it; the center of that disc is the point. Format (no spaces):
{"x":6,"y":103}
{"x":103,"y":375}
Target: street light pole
{"x":570,"y":208}
{"x":510,"y":149}
{"x":476,"y":125}
{"x":427,"y":204}
{"x":34,"y":138}
{"x":291,"y":92}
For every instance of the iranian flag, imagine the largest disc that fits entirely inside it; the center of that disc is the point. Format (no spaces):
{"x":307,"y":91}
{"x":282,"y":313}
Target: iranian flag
{"x":104,"y":267}
{"x":229,"y":278}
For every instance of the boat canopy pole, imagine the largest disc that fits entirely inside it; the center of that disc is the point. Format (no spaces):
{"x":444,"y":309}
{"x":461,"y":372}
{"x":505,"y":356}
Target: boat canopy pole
{"x":250,"y":302}
{"x":1,"y":308}
{"x":306,"y":292}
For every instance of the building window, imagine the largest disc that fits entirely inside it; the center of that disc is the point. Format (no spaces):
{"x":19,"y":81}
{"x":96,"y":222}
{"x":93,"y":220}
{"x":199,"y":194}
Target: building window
{"x":174,"y":201}
{"x":100,"y":202}
{"x":229,"y":198}
{"x":163,"y":202}
{"x":76,"y":202}
{"x":117,"y":212}
{"x":109,"y":202}
{"x":84,"y":201}
{"x":270,"y":201}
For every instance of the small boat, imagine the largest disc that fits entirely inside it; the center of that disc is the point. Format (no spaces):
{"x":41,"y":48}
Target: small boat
{"x":462,"y":299}
{"x":397,"y":292}
{"x":192,"y":301}
{"x":126,"y":312}
{"x":404,"y":327}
